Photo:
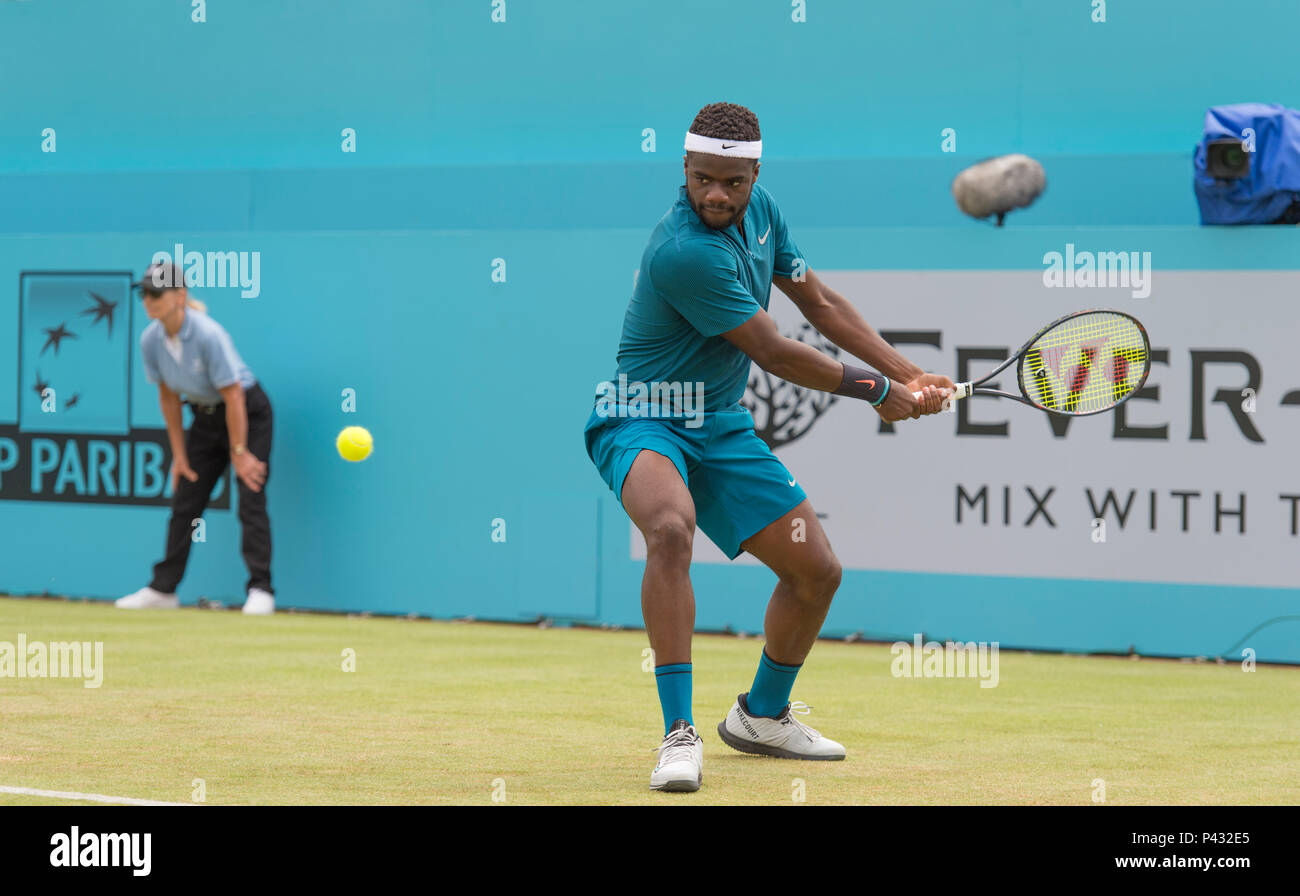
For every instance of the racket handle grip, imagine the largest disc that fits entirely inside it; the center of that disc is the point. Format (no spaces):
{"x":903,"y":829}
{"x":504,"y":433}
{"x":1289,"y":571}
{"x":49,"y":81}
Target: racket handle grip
{"x":962,"y":390}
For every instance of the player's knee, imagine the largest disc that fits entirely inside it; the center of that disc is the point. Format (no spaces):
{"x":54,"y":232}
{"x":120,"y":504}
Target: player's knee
{"x":670,"y":538}
{"x":818,"y":581}
{"x":826,"y":579}
{"x":834,"y":574}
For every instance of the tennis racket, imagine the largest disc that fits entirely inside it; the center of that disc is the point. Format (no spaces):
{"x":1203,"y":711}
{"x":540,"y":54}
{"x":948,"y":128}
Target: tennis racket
{"x":1085,"y":363}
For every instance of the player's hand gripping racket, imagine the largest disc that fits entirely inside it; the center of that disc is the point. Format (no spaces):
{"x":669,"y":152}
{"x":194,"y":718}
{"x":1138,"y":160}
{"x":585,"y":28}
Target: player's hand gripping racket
{"x":1085,"y":363}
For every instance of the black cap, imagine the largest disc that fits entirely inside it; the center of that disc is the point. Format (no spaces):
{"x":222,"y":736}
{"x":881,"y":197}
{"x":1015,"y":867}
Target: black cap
{"x":161,"y":275}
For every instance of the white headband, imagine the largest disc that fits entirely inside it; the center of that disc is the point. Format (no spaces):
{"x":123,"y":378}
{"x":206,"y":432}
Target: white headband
{"x":738,"y":149}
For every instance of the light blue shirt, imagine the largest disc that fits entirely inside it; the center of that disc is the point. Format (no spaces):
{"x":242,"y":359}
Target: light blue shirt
{"x":207,"y":364}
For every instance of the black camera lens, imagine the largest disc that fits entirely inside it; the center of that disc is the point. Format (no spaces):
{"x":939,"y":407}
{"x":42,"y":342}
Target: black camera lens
{"x":1226,"y":159}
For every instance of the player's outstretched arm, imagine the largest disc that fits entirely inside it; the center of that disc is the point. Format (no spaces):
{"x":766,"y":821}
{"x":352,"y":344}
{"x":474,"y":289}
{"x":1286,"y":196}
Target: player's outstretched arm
{"x":835,"y":318}
{"x":803,"y":365}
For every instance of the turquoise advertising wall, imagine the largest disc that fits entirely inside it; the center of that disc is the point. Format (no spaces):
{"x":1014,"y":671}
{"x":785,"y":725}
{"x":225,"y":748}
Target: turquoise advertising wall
{"x":526,"y":140}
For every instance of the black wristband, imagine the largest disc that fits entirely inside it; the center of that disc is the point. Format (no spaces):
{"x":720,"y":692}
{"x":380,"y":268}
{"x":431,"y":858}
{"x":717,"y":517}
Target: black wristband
{"x":865,"y":384}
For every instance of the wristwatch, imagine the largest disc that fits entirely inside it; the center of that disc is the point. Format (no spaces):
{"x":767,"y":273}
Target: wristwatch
{"x":239,"y":449}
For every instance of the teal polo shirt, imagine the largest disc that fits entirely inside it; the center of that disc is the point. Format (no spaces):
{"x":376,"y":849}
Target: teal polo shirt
{"x":208,"y":361}
{"x":695,"y":283}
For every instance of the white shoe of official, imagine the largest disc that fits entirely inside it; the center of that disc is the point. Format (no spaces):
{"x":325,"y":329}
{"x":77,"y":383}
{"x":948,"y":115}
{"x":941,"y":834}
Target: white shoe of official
{"x":681,"y":760}
{"x":784,"y":736}
{"x":259,"y":603}
{"x":148,"y":599}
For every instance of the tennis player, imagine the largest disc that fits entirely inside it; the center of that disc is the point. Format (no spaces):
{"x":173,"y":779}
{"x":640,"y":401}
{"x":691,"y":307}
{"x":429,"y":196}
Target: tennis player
{"x":187,"y":353}
{"x":697,"y":319}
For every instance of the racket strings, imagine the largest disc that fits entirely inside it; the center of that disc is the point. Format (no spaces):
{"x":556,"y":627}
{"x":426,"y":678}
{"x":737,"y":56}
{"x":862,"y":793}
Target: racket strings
{"x":1085,"y":364}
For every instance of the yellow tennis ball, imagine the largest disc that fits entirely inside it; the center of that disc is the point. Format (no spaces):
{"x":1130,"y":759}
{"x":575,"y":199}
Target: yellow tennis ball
{"x":354,"y":443}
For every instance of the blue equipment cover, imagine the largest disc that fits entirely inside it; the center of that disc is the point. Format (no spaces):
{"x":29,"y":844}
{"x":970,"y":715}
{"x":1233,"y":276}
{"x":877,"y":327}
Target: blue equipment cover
{"x":1274,"y":180}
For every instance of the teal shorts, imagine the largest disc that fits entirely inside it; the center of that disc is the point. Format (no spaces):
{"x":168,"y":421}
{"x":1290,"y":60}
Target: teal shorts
{"x":738,"y":485}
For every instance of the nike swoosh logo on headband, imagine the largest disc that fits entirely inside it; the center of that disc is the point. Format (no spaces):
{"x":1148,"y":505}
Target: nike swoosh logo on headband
{"x":730,"y":145}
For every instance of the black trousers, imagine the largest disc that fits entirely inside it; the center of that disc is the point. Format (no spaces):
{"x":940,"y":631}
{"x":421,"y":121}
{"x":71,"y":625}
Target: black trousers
{"x":208,"y":447}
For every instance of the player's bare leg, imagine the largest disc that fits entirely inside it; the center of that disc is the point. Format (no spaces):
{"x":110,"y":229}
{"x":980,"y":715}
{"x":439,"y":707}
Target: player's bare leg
{"x":808,"y":576}
{"x":657,"y":500}
{"x":660,"y":505}
{"x":795,"y":547}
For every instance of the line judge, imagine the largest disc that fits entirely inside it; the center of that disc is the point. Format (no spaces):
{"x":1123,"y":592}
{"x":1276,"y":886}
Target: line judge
{"x":187,"y":353}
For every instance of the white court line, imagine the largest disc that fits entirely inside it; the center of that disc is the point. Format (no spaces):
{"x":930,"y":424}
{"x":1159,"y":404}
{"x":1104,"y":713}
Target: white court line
{"x":88,"y":797}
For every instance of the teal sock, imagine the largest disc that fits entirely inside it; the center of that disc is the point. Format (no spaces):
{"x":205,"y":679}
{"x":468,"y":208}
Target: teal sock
{"x":772,"y":684}
{"x":674,"y":681}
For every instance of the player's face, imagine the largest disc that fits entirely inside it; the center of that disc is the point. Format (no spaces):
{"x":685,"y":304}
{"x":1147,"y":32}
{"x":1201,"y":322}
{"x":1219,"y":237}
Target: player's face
{"x":719,"y":187}
{"x":160,"y":304}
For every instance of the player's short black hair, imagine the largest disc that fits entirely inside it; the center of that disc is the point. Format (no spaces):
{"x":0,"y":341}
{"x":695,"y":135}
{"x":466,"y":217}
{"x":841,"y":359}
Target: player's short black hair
{"x":726,"y":121}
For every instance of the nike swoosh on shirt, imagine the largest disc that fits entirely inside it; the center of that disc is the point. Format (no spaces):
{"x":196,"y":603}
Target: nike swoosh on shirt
{"x":763,"y":239}
{"x":791,"y":482}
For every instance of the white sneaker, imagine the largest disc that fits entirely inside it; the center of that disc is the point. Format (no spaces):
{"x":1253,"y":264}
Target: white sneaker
{"x":148,"y":599}
{"x":259,"y":603}
{"x":784,"y":736}
{"x":681,"y":760}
